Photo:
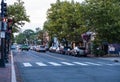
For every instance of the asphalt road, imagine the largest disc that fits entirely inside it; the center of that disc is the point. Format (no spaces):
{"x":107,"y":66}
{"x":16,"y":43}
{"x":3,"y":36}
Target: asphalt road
{"x":51,"y":67}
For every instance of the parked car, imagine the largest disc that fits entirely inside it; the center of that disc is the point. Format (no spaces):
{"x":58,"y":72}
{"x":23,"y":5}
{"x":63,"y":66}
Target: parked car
{"x":66,"y":50}
{"x":13,"y":47}
{"x":24,"y":47}
{"x":34,"y":47}
{"x":19,"y":47}
{"x":52,"y":49}
{"x":81,"y":51}
{"x":41,"y":48}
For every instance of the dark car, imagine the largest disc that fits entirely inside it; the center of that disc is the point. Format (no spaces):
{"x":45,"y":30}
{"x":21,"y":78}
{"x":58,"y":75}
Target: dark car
{"x":24,"y":47}
{"x":66,"y":50}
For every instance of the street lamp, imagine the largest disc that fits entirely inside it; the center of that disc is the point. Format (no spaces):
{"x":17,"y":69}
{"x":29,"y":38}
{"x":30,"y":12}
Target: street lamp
{"x":2,"y":34}
{"x":8,"y":35}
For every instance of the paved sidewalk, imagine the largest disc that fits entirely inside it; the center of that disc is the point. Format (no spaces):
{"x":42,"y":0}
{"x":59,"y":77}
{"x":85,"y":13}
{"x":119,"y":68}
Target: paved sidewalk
{"x":7,"y":74}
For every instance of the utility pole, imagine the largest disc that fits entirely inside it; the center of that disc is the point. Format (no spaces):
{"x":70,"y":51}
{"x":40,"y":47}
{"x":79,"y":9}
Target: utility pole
{"x":8,"y":34}
{"x":2,"y":33}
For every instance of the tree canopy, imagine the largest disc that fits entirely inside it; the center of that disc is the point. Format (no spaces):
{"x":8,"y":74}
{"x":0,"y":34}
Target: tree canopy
{"x":64,"y":20}
{"x":18,"y":13}
{"x":25,"y":36}
{"x":104,"y":18}
{"x":71,"y":19}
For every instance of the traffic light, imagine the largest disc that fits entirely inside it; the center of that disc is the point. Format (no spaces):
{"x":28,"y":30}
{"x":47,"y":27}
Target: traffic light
{"x":3,"y":9}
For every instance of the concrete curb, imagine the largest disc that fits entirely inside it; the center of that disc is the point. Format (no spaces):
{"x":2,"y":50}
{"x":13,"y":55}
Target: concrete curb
{"x":13,"y":74}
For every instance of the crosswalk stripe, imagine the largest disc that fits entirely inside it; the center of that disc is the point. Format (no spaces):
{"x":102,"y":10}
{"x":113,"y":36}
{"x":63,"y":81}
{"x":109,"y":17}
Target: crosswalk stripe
{"x":66,"y":63}
{"x":27,"y":64}
{"x":109,"y":64}
{"x":55,"y":64}
{"x":113,"y":64}
{"x":80,"y":63}
{"x":102,"y":63}
{"x":93,"y":63}
{"x":41,"y":64}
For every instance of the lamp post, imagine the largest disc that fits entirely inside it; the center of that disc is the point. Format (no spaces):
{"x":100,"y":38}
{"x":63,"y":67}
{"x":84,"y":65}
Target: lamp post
{"x":8,"y":36}
{"x":2,"y":34}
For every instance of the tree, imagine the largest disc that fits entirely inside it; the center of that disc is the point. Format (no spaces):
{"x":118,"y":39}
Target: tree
{"x":28,"y":33}
{"x":18,"y":13}
{"x":26,"y":36}
{"x":64,"y":20}
{"x":20,"y":39}
{"x":102,"y":16}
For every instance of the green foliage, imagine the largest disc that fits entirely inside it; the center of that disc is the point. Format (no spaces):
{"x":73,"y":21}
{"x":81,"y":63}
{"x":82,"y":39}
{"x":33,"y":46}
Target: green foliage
{"x":71,"y":19}
{"x":18,"y":13}
{"x":104,"y":18}
{"x":97,"y":49}
{"x":64,"y":20}
{"x":20,"y":39}
{"x":27,"y":35}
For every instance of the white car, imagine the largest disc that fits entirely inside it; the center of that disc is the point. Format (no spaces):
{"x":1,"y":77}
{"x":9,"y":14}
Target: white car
{"x":41,"y":48}
{"x":52,"y":49}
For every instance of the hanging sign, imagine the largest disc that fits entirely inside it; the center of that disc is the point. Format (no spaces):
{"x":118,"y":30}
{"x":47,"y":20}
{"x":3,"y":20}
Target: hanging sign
{"x":2,"y":34}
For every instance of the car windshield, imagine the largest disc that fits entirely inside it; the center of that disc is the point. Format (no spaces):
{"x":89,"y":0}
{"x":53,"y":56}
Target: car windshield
{"x":42,"y":46}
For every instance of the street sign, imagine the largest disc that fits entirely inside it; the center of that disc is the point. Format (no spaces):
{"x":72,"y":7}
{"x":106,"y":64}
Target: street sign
{"x":2,"y":34}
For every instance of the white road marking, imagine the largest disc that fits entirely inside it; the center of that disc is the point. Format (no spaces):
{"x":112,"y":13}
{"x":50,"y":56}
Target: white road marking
{"x":66,"y":63}
{"x":27,"y":64}
{"x":113,"y":64}
{"x":93,"y":63}
{"x":110,"y":64}
{"x":80,"y":63}
{"x":13,"y":74}
{"x":54,"y":64}
{"x":41,"y":64}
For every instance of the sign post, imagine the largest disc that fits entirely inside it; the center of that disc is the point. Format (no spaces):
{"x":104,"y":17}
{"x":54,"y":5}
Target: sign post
{"x":2,"y":34}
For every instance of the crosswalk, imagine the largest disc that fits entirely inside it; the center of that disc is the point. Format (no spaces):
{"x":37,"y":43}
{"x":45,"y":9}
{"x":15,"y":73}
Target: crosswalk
{"x":44,"y":64}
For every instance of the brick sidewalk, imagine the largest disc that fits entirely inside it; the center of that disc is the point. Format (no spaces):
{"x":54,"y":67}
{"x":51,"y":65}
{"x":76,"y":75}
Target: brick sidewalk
{"x":5,"y":73}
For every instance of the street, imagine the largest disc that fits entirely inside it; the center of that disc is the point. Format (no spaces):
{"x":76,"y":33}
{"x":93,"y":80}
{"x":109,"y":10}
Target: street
{"x":34,"y":66}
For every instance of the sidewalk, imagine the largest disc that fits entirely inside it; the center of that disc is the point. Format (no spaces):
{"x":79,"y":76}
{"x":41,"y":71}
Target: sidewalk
{"x":7,"y":74}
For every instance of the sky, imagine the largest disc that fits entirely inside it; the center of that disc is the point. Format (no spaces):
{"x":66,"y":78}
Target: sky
{"x":37,"y":10}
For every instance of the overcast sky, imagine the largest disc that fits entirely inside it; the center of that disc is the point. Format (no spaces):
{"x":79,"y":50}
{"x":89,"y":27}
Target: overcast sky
{"x":36,"y":9}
